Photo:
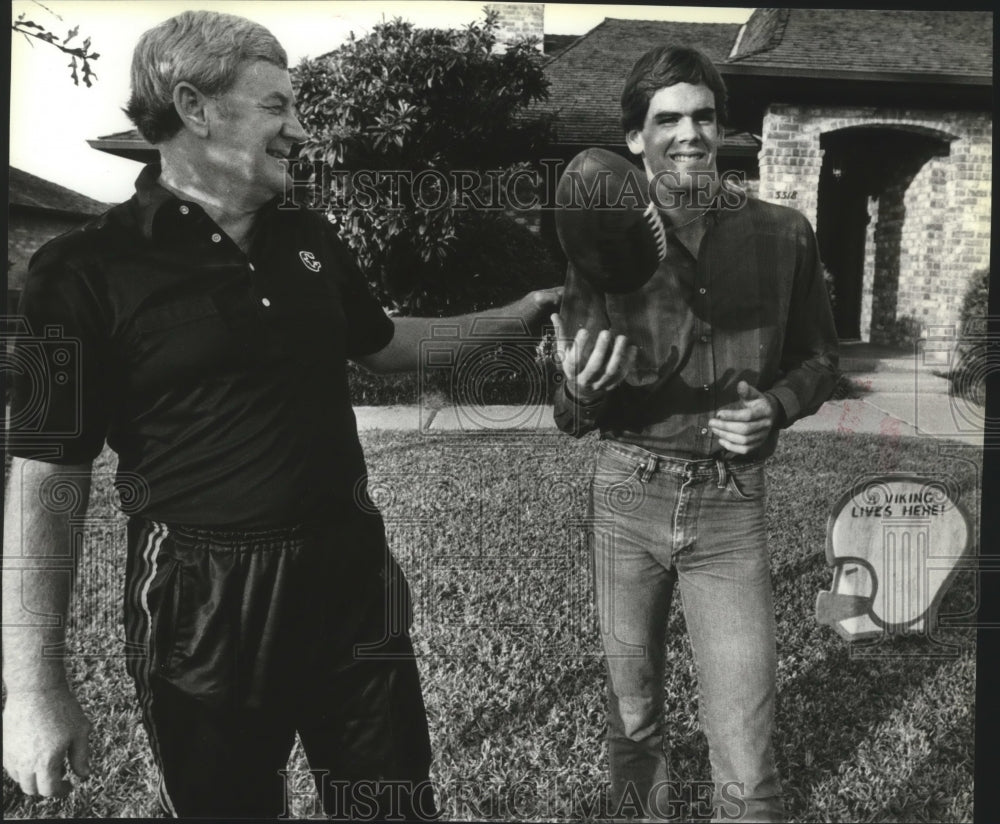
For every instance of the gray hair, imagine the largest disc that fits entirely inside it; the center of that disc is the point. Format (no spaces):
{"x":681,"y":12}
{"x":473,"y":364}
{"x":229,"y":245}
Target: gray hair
{"x":203,"y":48}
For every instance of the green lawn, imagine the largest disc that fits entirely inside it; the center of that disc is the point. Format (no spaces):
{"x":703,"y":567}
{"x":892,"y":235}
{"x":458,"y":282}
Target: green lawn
{"x":490,"y":534}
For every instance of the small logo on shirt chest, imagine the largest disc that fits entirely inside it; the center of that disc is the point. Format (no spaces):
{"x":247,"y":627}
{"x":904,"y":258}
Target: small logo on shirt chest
{"x":309,"y":261}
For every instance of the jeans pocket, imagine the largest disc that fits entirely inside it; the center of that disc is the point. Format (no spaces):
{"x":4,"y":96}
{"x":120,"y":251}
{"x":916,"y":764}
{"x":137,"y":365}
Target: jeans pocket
{"x":616,"y":486}
{"x":608,"y":479}
{"x":749,"y":486}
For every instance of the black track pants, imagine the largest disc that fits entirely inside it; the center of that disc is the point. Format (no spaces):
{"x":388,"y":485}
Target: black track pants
{"x":240,"y":639}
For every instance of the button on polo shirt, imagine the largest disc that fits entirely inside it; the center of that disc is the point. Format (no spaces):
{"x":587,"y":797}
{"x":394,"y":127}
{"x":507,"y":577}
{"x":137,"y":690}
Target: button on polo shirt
{"x":219,"y":377}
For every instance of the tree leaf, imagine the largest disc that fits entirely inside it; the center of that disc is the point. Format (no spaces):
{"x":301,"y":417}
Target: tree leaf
{"x":405,"y":100}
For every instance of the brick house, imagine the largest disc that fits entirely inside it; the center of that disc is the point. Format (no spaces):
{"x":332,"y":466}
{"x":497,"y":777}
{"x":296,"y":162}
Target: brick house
{"x":876,"y":124}
{"x":39,"y":210}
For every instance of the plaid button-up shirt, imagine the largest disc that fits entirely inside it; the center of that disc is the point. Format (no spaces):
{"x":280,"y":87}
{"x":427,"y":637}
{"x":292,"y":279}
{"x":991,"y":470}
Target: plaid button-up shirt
{"x":753,"y":306}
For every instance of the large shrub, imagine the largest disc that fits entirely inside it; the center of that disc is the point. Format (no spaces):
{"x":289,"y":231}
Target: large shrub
{"x":975,"y":304}
{"x":975,"y":358}
{"x":408,"y":100}
{"x":510,"y":261}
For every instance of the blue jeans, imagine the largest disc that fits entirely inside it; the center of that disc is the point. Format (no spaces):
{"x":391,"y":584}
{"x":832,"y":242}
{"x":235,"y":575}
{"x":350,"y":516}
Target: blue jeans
{"x":659,"y":521}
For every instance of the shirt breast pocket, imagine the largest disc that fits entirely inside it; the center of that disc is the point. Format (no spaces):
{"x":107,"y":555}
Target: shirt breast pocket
{"x":191,"y":339}
{"x":307,"y":319}
{"x":655,"y":320}
{"x":173,"y":314}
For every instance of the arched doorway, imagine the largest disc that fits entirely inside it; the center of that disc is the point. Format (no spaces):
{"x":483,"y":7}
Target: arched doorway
{"x":865,"y":175}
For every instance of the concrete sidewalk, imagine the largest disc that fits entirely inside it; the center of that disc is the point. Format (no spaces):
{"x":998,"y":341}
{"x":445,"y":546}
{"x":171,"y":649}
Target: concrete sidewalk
{"x":890,"y":409}
{"x":899,"y":397}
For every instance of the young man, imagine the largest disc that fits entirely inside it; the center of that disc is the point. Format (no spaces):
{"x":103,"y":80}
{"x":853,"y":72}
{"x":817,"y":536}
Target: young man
{"x":213,"y":329}
{"x":689,"y":380}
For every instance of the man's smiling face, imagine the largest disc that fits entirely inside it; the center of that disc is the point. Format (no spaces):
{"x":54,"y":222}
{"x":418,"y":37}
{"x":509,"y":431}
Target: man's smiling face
{"x":253,"y":129}
{"x":679,"y":137}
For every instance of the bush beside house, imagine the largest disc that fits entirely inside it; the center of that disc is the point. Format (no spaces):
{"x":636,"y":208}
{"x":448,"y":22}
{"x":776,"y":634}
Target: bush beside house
{"x":433,"y":103}
{"x":975,"y":357}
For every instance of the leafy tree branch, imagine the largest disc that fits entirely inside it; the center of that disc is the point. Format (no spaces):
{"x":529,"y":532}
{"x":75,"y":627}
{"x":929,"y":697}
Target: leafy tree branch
{"x":80,"y":55}
{"x":441,"y":101}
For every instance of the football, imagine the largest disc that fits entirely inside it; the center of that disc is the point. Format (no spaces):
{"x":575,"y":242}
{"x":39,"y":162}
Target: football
{"x":607,"y":224}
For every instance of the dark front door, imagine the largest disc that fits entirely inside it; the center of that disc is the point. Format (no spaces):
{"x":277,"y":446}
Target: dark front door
{"x":842,"y":223}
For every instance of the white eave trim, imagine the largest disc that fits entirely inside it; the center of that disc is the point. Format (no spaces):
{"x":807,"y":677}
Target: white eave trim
{"x":739,"y":39}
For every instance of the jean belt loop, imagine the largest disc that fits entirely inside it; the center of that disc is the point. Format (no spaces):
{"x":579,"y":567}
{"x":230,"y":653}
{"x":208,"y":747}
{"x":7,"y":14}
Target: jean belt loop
{"x":720,"y":465}
{"x":648,"y":469}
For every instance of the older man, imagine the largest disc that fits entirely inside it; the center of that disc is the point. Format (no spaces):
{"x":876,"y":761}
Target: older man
{"x":214,"y":329}
{"x":689,"y":379}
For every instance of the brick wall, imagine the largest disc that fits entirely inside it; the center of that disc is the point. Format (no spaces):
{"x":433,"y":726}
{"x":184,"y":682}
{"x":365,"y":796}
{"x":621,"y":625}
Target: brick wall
{"x":790,"y":159}
{"x":930,"y":227}
{"x":519,"y":20}
{"x":890,"y":257}
{"x":868,"y":281}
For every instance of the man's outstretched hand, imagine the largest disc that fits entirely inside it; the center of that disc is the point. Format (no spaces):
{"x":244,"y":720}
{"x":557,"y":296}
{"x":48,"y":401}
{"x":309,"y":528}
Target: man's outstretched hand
{"x":41,"y":729}
{"x":743,"y":427}
{"x":535,"y":307}
{"x":609,"y":363}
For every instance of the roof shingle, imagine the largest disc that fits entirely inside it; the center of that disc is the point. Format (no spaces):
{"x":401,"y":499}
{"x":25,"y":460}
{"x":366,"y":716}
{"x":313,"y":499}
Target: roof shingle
{"x":956,"y":43}
{"x":587,"y":78}
{"x":37,"y":193}
{"x":555,"y":43}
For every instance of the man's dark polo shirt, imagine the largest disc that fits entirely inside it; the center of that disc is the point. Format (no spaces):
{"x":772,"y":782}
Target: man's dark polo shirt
{"x":218,"y":377}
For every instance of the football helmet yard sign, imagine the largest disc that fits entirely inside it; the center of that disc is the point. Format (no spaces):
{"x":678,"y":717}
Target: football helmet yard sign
{"x":895,"y":542}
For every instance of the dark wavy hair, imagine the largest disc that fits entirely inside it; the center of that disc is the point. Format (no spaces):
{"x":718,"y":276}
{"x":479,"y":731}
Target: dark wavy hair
{"x":667,"y":66}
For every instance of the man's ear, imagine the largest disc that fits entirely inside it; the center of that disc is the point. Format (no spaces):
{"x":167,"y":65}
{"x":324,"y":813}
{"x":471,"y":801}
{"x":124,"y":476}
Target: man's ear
{"x":634,"y":141}
{"x":191,"y":106}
